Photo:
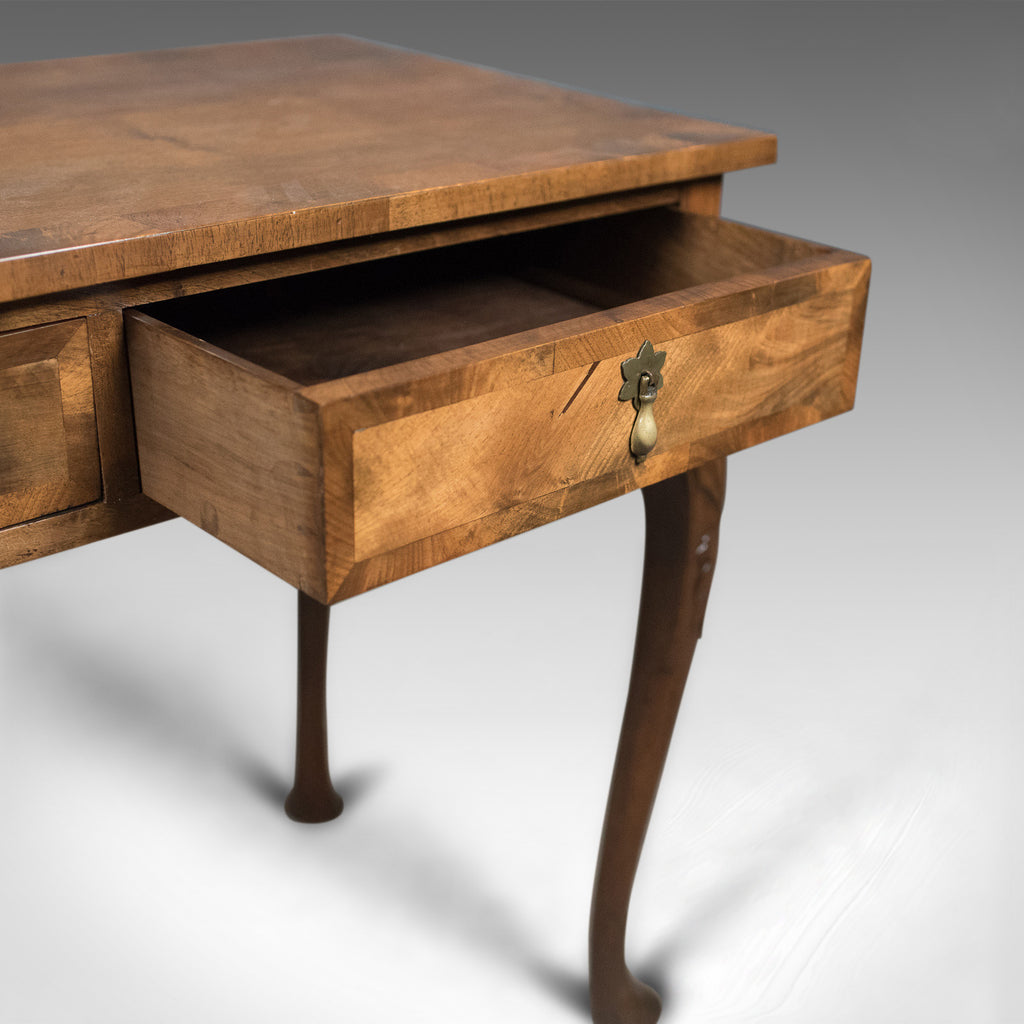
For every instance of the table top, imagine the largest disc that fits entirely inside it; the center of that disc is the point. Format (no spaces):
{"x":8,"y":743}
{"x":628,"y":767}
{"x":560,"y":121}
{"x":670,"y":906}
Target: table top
{"x":120,"y":166}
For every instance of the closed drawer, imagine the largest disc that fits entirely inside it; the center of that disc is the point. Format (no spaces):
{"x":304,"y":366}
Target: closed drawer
{"x":49,"y":459}
{"x":350,"y":427}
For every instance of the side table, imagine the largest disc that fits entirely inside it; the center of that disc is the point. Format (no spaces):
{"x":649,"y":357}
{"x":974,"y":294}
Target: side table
{"x":356,"y":311}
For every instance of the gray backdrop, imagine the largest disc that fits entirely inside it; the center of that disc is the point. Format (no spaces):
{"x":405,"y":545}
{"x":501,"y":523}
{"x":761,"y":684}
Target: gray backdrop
{"x":839,"y":832}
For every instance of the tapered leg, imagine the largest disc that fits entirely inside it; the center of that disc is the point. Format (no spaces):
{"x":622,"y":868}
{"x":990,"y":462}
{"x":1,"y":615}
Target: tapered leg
{"x":313,"y":797}
{"x":682,"y":516}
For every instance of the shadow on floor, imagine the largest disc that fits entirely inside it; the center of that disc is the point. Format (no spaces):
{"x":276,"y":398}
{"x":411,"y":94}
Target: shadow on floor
{"x":408,"y":861}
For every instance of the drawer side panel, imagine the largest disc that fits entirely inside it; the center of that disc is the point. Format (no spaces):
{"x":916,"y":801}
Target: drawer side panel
{"x":234,"y":452}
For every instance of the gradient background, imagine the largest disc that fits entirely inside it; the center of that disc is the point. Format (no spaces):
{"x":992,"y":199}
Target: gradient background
{"x":839,"y":834}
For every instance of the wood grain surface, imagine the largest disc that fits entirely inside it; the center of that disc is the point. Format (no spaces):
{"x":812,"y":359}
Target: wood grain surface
{"x":234,"y":451}
{"x":115,"y":296}
{"x":463,"y":438}
{"x":51,"y":534}
{"x":682,"y":518}
{"x":137,"y":164}
{"x":114,"y":502}
{"x":432,"y":471}
{"x":49,"y":459}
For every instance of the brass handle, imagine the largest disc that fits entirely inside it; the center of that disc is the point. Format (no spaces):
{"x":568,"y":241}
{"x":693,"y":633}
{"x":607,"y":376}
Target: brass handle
{"x":644,"y":435}
{"x":642,"y":376}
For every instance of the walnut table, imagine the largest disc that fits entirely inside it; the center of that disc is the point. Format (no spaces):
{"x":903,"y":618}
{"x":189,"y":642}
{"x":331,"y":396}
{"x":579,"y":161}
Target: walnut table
{"x":356,"y":311}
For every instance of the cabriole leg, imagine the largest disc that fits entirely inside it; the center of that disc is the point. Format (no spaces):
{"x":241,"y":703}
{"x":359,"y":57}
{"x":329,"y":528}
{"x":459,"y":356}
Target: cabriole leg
{"x":682,"y":516}
{"x":313,"y":797}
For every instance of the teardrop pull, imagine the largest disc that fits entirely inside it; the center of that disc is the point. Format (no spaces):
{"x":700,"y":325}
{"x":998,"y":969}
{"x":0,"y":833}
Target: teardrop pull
{"x":642,"y":376}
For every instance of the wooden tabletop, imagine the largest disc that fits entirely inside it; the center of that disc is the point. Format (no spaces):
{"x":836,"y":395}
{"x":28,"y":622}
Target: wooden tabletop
{"x":120,"y":166}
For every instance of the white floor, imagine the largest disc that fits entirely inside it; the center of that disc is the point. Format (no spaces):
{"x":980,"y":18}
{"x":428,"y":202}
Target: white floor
{"x":835,"y":840}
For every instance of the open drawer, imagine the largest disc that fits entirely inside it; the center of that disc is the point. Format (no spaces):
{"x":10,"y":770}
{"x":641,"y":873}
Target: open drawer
{"x":352,"y":426}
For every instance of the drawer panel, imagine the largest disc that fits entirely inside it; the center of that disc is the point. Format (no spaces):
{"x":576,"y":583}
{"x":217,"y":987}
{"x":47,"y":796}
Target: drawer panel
{"x":49,"y":459}
{"x":349,"y":428}
{"x":501,"y":449}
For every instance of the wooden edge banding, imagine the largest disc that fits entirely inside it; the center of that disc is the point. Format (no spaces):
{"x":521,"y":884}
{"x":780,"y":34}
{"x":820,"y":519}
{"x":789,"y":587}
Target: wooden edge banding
{"x":336,"y":493}
{"x":577,"y":180}
{"x":115,"y":423}
{"x":411,"y":388}
{"x":75,"y":527}
{"x":32,"y":275}
{"x":78,"y":406}
{"x":310,"y":259}
{"x":101,"y":496}
{"x":51,"y":363}
{"x":851,"y":367}
{"x":145,"y":325}
{"x":452,"y":376}
{"x":701,"y":308}
{"x":421,"y":554}
{"x":43,"y":339}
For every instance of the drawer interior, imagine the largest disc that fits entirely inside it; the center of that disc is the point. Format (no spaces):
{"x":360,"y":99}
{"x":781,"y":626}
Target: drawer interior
{"x":335,"y":323}
{"x":346,"y":427}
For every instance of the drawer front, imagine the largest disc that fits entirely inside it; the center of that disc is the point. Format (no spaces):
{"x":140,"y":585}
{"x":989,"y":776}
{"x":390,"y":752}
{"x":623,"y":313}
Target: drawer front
{"x":434,"y":471}
{"x":343,"y":485}
{"x":49,"y":459}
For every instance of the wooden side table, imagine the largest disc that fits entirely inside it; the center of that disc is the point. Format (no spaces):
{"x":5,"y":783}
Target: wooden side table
{"x":356,"y":311}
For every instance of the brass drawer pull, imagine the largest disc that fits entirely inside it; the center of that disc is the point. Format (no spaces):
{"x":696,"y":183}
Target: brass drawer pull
{"x":642,"y":376}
